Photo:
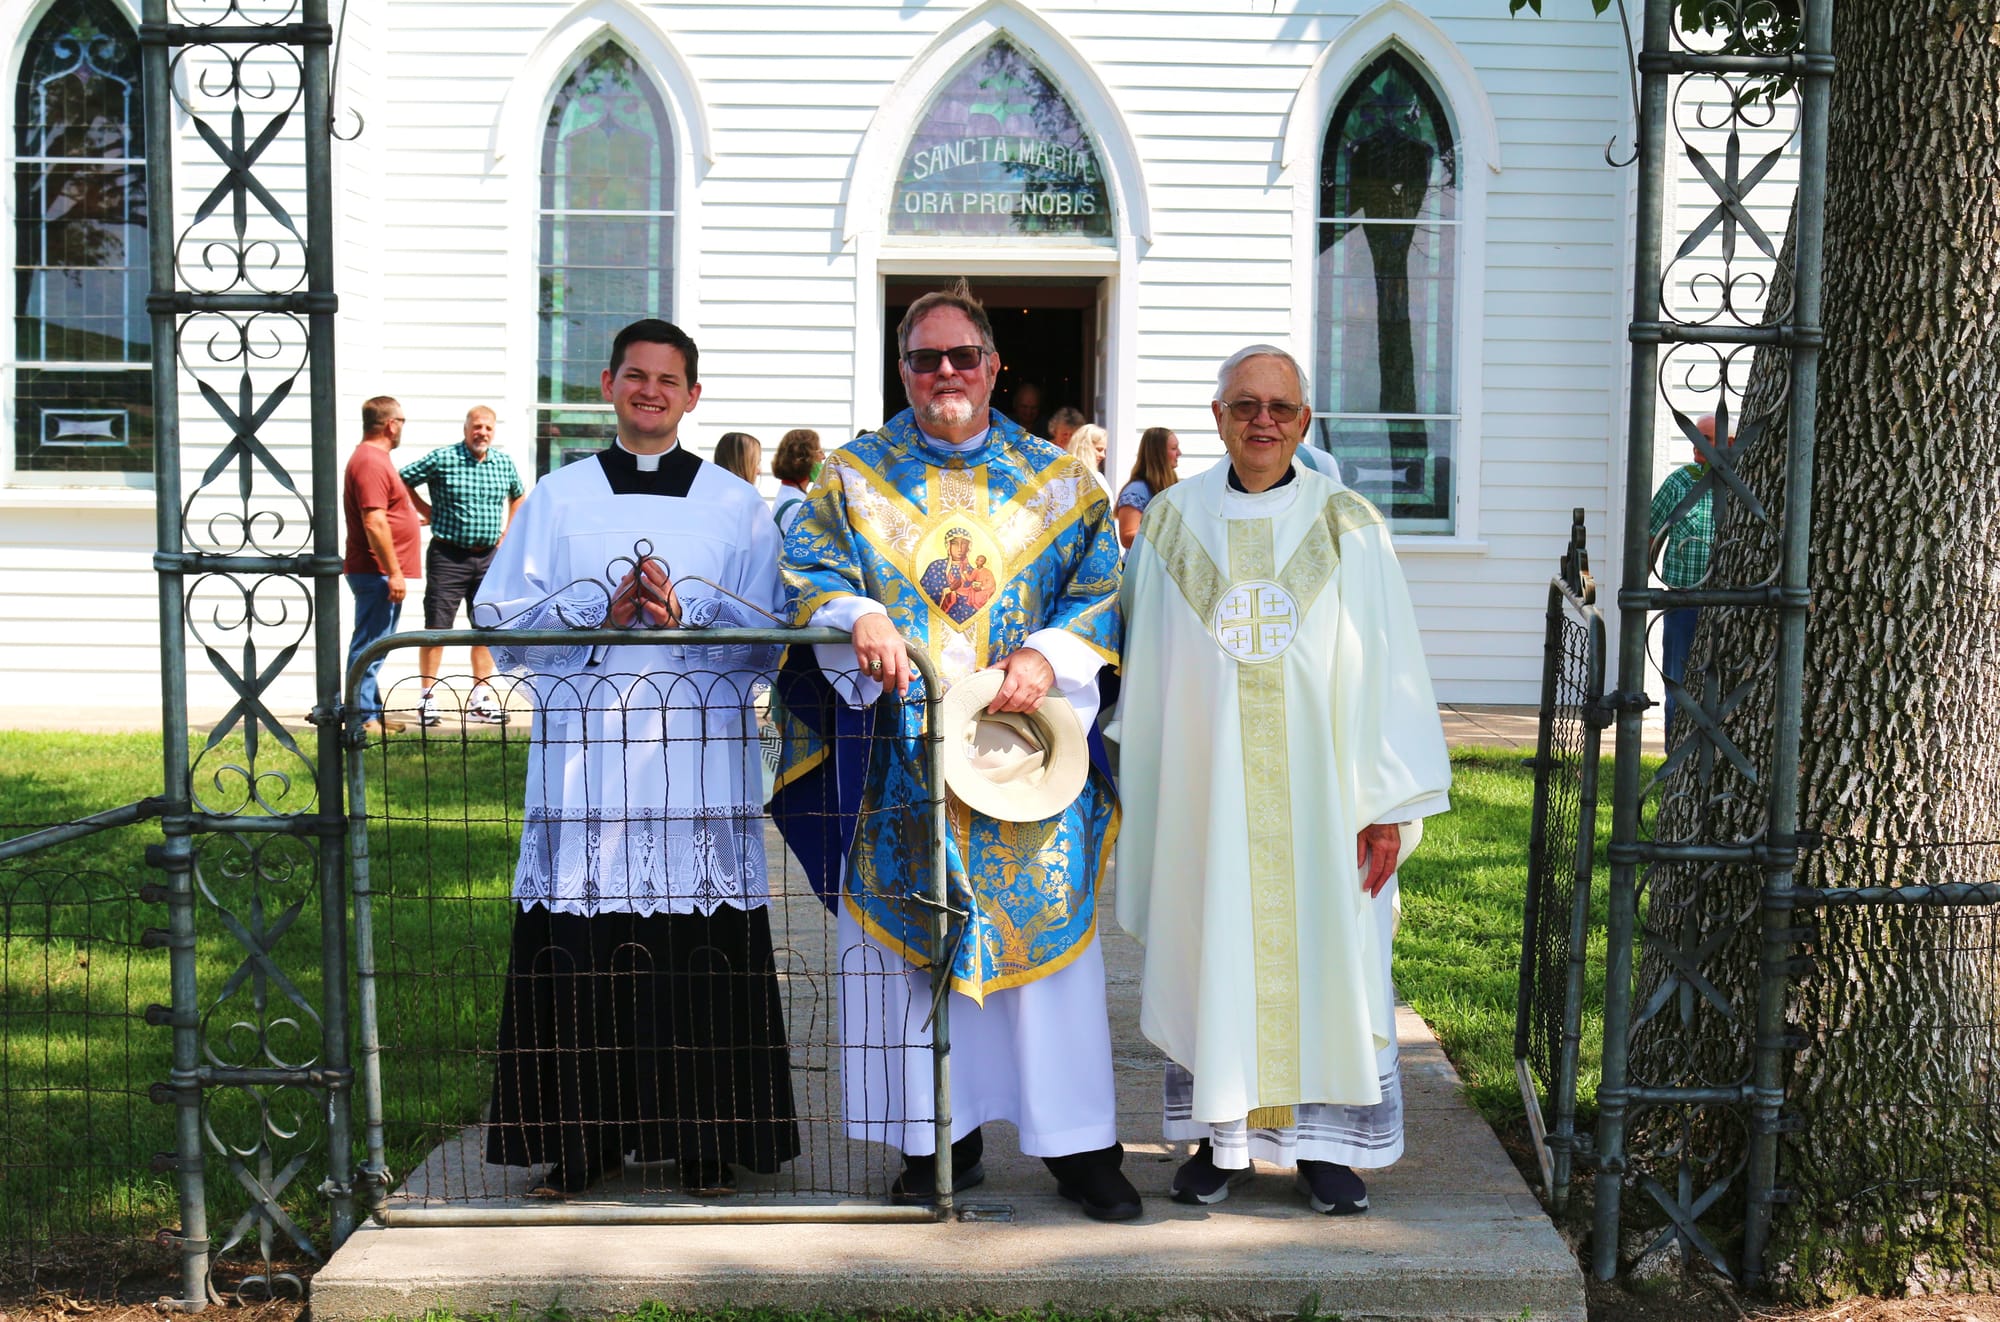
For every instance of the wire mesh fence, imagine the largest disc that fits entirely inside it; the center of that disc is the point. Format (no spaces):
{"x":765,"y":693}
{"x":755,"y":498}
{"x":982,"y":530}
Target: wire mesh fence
{"x":599,"y":967}
{"x":79,"y":1193}
{"x":1562,"y":832}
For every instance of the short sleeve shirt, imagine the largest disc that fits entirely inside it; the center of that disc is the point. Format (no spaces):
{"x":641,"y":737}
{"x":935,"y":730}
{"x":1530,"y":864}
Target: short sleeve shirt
{"x":1136,"y":495}
{"x":468,"y":496}
{"x":371,"y":483}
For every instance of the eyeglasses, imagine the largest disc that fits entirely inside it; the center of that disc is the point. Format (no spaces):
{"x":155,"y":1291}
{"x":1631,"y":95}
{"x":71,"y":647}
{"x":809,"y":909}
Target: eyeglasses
{"x":964,"y":358}
{"x":1282,"y":411}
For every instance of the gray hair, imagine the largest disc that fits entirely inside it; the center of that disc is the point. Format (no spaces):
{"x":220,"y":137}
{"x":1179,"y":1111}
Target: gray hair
{"x":1244,"y":355}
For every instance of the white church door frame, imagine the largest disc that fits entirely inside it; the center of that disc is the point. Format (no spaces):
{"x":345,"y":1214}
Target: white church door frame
{"x":879,"y":256}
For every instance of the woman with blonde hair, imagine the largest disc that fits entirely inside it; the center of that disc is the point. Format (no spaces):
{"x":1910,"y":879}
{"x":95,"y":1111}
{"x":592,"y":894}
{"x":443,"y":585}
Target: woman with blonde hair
{"x":1087,"y":443}
{"x":1152,"y":473}
{"x":740,"y":453}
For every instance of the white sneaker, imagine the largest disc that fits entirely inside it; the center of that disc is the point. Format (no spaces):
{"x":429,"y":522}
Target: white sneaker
{"x":486,"y":709}
{"x":427,"y":710}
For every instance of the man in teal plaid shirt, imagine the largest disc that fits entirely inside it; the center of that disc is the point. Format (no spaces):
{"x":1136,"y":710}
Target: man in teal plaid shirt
{"x":474,"y":491}
{"x":1687,"y":542}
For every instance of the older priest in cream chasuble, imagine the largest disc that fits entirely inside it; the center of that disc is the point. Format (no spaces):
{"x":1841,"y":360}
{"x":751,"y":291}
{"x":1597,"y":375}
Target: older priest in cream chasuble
{"x":1276,"y":702}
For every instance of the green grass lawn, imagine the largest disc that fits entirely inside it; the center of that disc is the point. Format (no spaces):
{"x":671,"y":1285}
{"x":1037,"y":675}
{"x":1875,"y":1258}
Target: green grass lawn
{"x":77,"y":1131}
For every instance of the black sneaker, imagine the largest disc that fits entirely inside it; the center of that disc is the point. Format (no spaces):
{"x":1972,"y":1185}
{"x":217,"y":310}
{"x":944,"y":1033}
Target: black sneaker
{"x":1199,"y":1180}
{"x":918,"y":1182}
{"x":1332,"y":1190}
{"x":1093,"y":1181}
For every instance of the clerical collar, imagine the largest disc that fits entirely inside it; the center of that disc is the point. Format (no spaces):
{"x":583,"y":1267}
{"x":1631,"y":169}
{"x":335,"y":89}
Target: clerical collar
{"x":647,"y":463}
{"x":669,"y":473}
{"x":958,"y":447}
{"x":1236,"y":483}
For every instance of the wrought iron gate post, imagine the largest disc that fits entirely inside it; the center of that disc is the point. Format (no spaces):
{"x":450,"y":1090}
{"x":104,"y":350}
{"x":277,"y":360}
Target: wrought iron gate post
{"x":255,"y":831}
{"x":175,"y":854}
{"x":1754,"y":54}
{"x":1622,"y":910}
{"x":1775,"y":975}
{"x":320,"y":305}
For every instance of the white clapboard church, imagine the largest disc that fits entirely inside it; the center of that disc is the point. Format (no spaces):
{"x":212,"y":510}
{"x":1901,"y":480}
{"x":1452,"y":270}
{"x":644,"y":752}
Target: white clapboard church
{"x":1414,"y":197}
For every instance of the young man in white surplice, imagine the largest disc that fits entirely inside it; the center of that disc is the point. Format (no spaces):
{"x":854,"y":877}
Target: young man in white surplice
{"x":642,"y":1013}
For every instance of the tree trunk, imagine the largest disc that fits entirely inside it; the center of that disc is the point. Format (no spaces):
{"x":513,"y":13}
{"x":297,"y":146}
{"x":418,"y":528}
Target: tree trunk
{"x":1896,"y":1171}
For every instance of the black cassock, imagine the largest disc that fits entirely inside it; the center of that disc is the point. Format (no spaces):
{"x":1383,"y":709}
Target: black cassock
{"x":662,"y":1034}
{"x":658,"y":1035}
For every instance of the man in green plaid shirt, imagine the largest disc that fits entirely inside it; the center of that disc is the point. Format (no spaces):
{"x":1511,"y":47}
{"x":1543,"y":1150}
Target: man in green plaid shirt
{"x":474,"y":491}
{"x":1687,"y":542}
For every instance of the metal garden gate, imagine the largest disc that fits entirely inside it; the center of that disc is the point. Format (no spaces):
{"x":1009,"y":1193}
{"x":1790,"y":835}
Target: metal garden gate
{"x":1562,"y":836}
{"x":435,"y":823}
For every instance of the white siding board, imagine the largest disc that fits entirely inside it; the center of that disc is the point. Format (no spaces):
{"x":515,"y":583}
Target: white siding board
{"x":790,"y":89}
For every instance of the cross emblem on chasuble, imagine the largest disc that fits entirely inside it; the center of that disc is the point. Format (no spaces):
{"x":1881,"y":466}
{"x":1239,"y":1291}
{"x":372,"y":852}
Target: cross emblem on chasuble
{"x":1255,"y":621}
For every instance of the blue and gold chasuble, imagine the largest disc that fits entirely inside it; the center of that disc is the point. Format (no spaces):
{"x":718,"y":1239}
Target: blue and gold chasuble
{"x":971,"y":553}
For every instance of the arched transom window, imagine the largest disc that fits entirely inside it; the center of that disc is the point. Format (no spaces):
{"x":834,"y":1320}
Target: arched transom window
{"x":1385,"y":351}
{"x":607,"y":240}
{"x":83,"y":397}
{"x":1000,"y":152}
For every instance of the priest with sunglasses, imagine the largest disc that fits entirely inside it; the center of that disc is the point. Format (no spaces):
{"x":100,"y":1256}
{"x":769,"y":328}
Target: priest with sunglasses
{"x":956,"y":530}
{"x":1279,"y":748}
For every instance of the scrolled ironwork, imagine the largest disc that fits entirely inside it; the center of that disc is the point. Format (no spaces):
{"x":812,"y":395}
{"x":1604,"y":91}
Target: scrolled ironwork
{"x":1702,"y":844}
{"x":220,"y":13}
{"x":250,"y":630}
{"x":264,"y":1139}
{"x":242,"y":307}
{"x":257,"y":889}
{"x":1751,"y":27}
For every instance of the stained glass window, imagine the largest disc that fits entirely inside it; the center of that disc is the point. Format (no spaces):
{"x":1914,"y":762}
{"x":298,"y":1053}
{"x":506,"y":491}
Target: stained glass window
{"x":1384,"y":356}
{"x":1000,"y":152}
{"x":607,"y":241}
{"x":83,"y":397}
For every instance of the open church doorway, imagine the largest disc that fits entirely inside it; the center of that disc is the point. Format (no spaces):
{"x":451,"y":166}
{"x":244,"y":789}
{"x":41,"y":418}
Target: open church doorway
{"x":1048,"y":329}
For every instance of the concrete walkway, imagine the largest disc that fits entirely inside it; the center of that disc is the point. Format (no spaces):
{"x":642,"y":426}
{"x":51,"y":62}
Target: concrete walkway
{"x":1453,"y":1233}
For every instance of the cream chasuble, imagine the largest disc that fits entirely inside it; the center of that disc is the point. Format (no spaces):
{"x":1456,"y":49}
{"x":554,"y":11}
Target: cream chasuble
{"x":1275,"y":702}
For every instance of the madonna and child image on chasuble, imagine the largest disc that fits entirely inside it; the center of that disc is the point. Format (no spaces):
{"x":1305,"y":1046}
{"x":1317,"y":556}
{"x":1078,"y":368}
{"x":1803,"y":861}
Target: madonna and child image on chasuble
{"x":972,"y":554}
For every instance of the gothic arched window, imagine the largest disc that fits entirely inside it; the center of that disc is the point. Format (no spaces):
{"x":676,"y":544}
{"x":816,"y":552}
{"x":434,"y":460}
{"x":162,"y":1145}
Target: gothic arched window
{"x":1387,"y":289}
{"x":1001,"y":153}
{"x":83,"y":395}
{"x":607,"y":240}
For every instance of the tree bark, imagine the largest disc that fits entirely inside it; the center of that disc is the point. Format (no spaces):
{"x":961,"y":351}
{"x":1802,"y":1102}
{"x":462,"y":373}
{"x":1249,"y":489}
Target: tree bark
{"x":1896,"y":1171}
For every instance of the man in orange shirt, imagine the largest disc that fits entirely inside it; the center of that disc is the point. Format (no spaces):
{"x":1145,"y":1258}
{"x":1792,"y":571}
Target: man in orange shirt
{"x":382,"y":546}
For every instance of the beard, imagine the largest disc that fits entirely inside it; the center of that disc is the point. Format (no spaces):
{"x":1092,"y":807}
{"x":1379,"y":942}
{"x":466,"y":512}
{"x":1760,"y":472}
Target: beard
{"x":946,"y":411}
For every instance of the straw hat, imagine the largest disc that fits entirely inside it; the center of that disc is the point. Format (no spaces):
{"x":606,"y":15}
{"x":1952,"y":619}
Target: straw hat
{"x":1013,"y":766}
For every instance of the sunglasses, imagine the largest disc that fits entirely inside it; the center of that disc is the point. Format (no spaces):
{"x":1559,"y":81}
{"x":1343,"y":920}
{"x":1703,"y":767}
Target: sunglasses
{"x":964,"y":358}
{"x":1282,"y":411}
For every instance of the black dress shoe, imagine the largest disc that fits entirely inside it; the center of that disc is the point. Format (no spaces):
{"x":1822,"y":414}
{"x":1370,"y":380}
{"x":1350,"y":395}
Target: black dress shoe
{"x":1094,"y":1181}
{"x":918,"y":1182}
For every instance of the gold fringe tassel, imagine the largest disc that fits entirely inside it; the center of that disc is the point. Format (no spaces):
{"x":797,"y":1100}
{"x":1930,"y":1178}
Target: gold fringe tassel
{"x":1272,"y":1117}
